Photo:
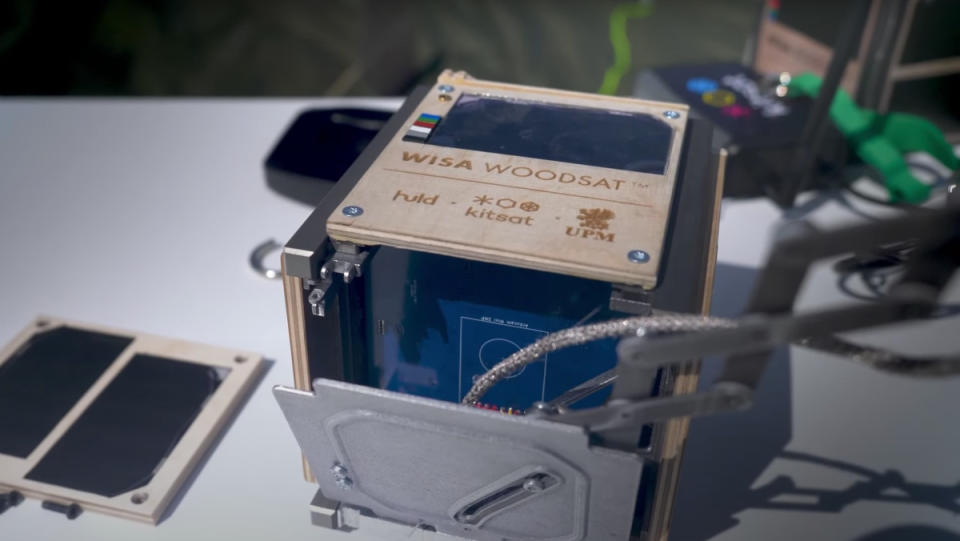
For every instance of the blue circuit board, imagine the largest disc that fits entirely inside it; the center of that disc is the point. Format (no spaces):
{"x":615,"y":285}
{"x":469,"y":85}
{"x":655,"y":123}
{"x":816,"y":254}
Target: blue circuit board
{"x":436,"y":323}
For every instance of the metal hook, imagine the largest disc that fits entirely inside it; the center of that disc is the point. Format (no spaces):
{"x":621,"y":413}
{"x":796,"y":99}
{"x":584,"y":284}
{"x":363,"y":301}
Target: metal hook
{"x":257,"y":256}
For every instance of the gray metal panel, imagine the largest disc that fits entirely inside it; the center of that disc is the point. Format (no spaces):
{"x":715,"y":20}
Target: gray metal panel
{"x":418,"y":460}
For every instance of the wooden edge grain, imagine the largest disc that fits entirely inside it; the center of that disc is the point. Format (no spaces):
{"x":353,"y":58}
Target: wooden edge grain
{"x":296,"y":327}
{"x":714,"y":233}
{"x":675,"y":434}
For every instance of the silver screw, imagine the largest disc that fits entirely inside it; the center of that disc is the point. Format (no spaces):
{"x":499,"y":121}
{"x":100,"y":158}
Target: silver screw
{"x":352,"y":210}
{"x":446,"y":89}
{"x":544,"y":407}
{"x":638,"y":256}
{"x":673,"y":115}
{"x":534,"y":485}
{"x":340,"y":472}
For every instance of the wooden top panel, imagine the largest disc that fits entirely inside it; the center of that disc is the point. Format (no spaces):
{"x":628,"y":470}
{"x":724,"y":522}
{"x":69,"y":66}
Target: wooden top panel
{"x":540,"y":214}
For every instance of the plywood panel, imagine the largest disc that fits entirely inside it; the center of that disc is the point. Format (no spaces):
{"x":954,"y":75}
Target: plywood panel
{"x":145,"y":503}
{"x":532,"y":213}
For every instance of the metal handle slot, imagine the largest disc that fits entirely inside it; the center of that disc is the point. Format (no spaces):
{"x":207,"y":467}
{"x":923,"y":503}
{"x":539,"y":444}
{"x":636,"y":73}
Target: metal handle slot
{"x":523,"y":489}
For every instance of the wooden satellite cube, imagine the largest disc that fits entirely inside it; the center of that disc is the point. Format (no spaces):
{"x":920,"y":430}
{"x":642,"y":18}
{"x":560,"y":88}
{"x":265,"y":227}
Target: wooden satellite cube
{"x":483,"y":217}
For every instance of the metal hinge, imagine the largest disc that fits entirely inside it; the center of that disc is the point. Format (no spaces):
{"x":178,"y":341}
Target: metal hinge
{"x":348,"y":262}
{"x":631,"y":300}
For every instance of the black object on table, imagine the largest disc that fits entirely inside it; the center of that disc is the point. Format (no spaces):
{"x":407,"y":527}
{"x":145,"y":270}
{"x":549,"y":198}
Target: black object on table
{"x":317,"y":149}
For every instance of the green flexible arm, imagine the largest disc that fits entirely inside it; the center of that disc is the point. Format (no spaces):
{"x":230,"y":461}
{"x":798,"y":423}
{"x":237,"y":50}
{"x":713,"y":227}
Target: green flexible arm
{"x":881,"y":140}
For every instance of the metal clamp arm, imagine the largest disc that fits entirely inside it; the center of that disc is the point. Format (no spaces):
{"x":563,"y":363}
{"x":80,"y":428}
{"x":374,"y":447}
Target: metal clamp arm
{"x":770,"y":323}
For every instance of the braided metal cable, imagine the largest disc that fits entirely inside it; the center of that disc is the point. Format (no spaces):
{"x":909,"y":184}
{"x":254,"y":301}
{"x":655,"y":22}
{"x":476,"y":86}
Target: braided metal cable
{"x":883,"y":360}
{"x":875,"y":358}
{"x":574,"y":336}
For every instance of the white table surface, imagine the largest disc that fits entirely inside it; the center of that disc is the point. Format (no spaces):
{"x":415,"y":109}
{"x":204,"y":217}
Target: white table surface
{"x":140,"y":214}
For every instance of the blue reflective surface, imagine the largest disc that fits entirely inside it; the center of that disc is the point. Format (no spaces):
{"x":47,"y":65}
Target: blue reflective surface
{"x":437,"y":322}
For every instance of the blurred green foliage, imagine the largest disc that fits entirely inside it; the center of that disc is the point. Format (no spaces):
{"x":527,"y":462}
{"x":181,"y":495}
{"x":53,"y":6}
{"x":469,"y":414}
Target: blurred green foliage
{"x":341,"y":47}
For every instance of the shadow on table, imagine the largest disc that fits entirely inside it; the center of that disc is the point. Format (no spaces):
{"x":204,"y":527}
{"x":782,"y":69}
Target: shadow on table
{"x":727,"y":453}
{"x":887,"y":486}
{"x":911,"y":532}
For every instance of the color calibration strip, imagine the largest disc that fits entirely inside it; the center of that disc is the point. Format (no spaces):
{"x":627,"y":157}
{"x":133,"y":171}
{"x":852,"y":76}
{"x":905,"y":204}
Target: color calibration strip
{"x":422,"y":127}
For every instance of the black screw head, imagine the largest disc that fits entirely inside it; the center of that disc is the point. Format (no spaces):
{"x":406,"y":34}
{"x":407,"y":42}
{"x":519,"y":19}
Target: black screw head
{"x":9,"y":499}
{"x":71,"y":511}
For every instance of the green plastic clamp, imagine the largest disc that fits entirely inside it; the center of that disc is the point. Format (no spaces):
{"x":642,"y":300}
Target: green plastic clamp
{"x":881,"y":140}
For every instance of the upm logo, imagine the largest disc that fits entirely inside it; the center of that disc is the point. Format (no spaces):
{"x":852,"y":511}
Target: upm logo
{"x":593,"y":223}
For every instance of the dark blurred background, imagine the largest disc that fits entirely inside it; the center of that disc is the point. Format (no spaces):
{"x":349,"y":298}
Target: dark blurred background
{"x":341,"y":47}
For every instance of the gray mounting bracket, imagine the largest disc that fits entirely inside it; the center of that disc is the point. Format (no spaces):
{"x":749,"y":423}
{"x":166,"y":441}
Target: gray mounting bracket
{"x":325,"y":512}
{"x":631,"y":300}
{"x":459,"y":470}
{"x":347,"y":261}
